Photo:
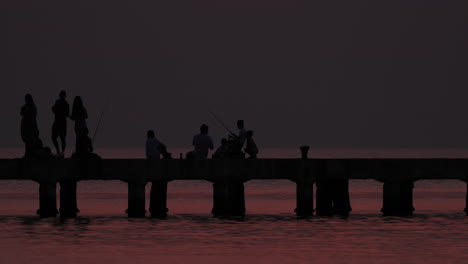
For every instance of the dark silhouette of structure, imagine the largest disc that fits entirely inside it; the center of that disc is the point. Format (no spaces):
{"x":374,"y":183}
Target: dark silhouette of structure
{"x":250,"y":147}
{"x":29,"y":128}
{"x":61,"y":110}
{"x":79,"y":115}
{"x":202,"y":143}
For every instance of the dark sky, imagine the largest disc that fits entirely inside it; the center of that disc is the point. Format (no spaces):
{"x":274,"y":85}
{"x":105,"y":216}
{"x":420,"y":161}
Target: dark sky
{"x":341,"y":73}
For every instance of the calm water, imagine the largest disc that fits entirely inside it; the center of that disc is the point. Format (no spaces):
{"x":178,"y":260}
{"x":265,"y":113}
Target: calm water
{"x":270,"y":233}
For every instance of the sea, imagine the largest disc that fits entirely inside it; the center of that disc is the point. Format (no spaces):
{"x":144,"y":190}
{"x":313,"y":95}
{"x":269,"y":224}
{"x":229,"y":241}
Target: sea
{"x":269,"y":233}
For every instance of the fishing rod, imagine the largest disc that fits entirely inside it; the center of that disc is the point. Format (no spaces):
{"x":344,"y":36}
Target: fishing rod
{"x":221,"y":122}
{"x":100,"y":119}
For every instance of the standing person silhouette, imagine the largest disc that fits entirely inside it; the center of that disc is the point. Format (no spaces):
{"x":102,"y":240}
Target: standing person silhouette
{"x":29,"y":129}
{"x":79,"y":115}
{"x":61,"y":110}
{"x":202,"y":143}
{"x":242,"y":133}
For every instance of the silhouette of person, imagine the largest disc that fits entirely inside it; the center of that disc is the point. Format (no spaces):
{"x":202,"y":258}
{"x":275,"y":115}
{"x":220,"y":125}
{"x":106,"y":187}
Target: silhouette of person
{"x":61,"y":110}
{"x":202,"y":143}
{"x":222,"y":151}
{"x":29,"y":129}
{"x":152,"y":146}
{"x":84,"y":145}
{"x":242,"y":133}
{"x":238,"y":140}
{"x":251,"y":147}
{"x":79,"y":115}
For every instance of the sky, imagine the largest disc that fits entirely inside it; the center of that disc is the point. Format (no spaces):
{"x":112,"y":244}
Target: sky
{"x":329,"y":74}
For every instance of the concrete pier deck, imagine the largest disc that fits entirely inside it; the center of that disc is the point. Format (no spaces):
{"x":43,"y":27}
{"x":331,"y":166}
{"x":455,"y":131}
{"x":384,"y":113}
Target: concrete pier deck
{"x":330,"y":176}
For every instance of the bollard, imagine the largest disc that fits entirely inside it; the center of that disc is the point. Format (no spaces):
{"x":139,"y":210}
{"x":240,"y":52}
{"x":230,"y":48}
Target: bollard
{"x":136,"y":200}
{"x":47,"y":199}
{"x":68,"y":203}
{"x":398,"y":198}
{"x":158,"y":199}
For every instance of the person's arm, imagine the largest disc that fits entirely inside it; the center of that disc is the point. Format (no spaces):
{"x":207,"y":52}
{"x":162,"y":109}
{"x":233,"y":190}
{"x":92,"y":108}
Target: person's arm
{"x":211,"y":143}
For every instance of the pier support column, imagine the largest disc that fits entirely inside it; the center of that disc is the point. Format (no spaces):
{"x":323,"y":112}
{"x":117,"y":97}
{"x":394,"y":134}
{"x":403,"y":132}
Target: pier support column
{"x":158,"y":199}
{"x":398,"y":198}
{"x":304,"y":199}
{"x":333,"y":189}
{"x":136,"y":199}
{"x":68,"y":203}
{"x":228,"y":198}
{"x":466,"y":204}
{"x":305,"y":189}
{"x":47,"y":199}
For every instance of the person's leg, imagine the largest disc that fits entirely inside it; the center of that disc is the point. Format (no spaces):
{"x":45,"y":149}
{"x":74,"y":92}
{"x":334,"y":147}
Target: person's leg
{"x":54,"y":138}
{"x":64,"y":143}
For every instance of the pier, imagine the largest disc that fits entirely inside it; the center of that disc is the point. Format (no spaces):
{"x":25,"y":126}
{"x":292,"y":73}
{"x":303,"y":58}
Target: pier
{"x":329,"y":177}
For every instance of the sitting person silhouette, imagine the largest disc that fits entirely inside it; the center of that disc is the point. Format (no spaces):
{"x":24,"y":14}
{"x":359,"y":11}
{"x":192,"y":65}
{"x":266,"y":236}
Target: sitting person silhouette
{"x":84,"y":145}
{"x":222,"y":151}
{"x":250,"y":147}
{"x":152,"y":146}
{"x":202,"y":143}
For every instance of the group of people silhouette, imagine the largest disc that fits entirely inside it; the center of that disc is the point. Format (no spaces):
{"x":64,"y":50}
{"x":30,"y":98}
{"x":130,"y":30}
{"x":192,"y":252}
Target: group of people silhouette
{"x":61,"y":109}
{"x":231,"y":147}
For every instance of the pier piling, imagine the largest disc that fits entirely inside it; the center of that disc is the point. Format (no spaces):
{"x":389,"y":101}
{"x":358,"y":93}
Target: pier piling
{"x":68,"y":203}
{"x":47,"y":199}
{"x":228,"y":198}
{"x":304,"y":188}
{"x":398,"y":198}
{"x":333,"y":189}
{"x":136,"y":200}
{"x":158,"y":199}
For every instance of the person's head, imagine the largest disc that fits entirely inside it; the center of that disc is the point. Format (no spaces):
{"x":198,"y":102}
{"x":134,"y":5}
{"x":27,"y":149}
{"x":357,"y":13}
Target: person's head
{"x":77,"y":101}
{"x":150,"y":134}
{"x":204,"y":129}
{"x":62,"y":94}
{"x":28,"y":99}
{"x":240,"y":124}
{"x":249,"y":134}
